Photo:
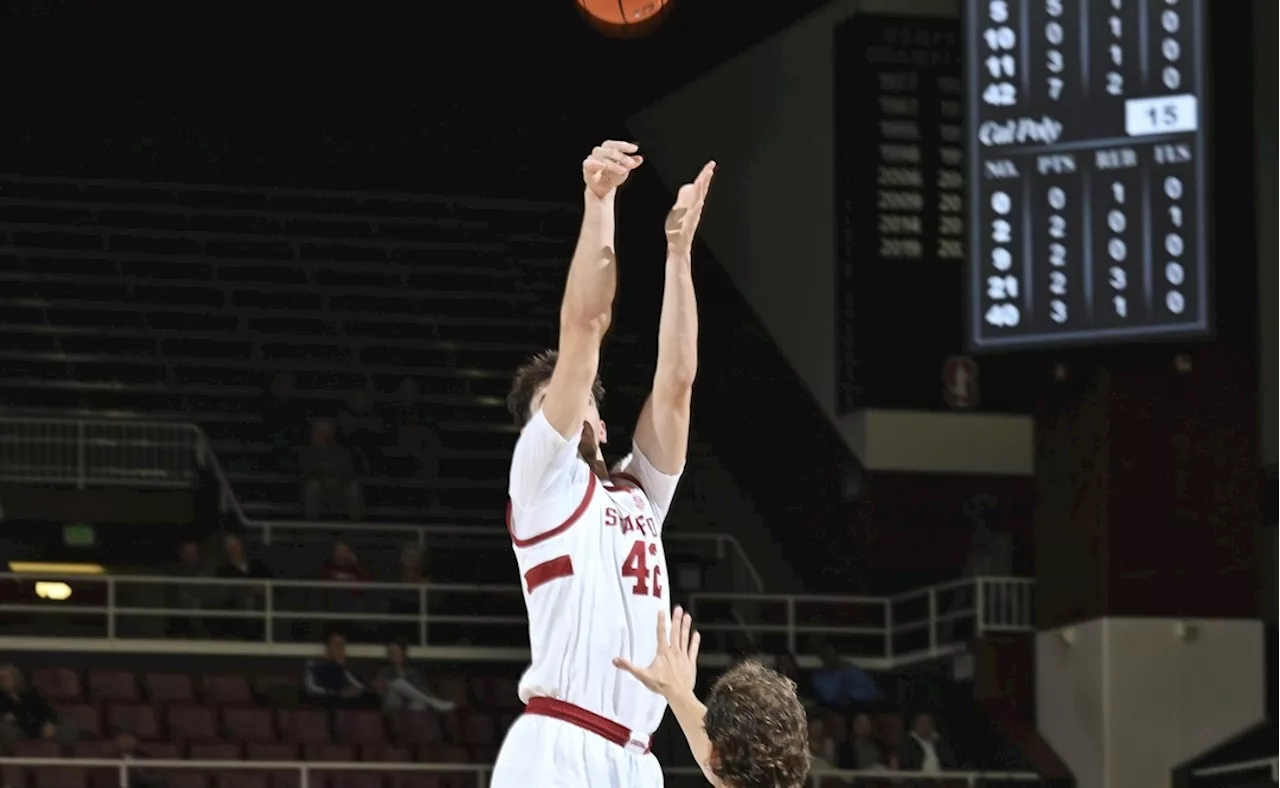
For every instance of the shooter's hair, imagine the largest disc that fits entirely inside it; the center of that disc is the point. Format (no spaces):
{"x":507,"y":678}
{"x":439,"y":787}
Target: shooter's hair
{"x":758,"y":729}
{"x":533,"y":375}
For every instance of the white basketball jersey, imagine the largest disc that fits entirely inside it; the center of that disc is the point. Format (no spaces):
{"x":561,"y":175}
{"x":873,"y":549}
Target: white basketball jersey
{"x":594,"y":575}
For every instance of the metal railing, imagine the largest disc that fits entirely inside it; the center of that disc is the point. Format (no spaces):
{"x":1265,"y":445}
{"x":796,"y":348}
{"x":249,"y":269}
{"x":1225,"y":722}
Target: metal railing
{"x":203,"y":615}
{"x":124,"y":770}
{"x":87,"y":453}
{"x":1258,"y":768}
{"x":881,"y":631}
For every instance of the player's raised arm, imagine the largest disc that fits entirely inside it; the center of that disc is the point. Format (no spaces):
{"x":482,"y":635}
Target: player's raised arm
{"x":587,"y":308}
{"x":662,"y":433}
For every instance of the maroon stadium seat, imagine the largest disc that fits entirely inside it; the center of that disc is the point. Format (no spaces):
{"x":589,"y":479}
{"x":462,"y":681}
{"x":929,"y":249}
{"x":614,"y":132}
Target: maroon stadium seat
{"x":160,"y":750}
{"x":191,"y":723}
{"x":417,"y":727}
{"x":57,"y":684}
{"x":454,"y":688}
{"x":226,"y":690}
{"x":183,"y":778}
{"x":93,"y":749}
{"x":169,"y":688}
{"x":135,"y":718}
{"x":385,"y":753}
{"x":332,"y":753}
{"x":249,"y":724}
{"x":360,"y":726}
{"x":304,"y":726}
{"x":86,"y":719}
{"x":213,"y":751}
{"x":477,"y":728}
{"x":113,"y":686}
{"x":239,"y":779}
{"x":264,"y":751}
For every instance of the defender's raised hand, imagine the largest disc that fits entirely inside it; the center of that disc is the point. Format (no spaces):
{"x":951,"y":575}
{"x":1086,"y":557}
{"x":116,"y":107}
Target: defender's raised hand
{"x":609,"y":165}
{"x":682,"y":221}
{"x":674,"y":668}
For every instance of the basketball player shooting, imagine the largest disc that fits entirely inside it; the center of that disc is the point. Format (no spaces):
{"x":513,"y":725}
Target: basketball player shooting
{"x":589,"y":543}
{"x":752,"y":732}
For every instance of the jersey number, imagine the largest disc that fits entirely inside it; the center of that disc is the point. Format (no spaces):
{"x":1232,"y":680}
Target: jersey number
{"x":637,"y":567}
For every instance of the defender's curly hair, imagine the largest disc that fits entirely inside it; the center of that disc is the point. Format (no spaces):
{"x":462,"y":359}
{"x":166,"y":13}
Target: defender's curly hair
{"x":530,"y":377}
{"x":758,"y":728}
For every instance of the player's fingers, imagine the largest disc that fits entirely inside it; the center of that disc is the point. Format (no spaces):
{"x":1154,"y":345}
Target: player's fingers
{"x":610,"y":154}
{"x":664,"y":634}
{"x":686,"y":624}
{"x":694,"y":644}
{"x":620,"y":145}
{"x":623,"y":664}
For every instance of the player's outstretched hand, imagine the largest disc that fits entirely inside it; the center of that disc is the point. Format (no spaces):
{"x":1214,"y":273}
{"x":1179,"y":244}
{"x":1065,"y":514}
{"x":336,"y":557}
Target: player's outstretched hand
{"x":609,"y":165}
{"x":675,"y":667}
{"x":682,"y":221}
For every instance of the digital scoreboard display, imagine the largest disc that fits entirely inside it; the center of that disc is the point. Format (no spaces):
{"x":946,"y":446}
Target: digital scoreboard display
{"x":1087,"y":172}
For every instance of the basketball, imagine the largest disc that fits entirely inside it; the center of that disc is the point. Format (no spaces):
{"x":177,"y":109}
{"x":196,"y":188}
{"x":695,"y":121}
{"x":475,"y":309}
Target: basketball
{"x":624,"y":18}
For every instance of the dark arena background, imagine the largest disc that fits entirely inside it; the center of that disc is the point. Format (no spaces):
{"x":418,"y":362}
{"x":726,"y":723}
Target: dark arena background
{"x":986,"y":405}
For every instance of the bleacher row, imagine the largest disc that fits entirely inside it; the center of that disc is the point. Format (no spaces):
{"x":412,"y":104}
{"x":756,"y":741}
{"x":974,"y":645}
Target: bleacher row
{"x":228,"y":717}
{"x":186,"y":302}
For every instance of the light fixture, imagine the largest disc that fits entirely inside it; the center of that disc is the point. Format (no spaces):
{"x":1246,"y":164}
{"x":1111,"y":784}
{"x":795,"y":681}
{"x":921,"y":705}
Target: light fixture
{"x":52,"y":568}
{"x":52,"y":590}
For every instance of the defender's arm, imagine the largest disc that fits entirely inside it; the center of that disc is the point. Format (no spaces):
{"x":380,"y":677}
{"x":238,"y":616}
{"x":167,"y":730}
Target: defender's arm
{"x":690,"y":713}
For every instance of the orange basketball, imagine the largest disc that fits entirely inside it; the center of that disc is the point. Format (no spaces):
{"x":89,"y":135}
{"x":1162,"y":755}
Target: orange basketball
{"x":624,"y":18}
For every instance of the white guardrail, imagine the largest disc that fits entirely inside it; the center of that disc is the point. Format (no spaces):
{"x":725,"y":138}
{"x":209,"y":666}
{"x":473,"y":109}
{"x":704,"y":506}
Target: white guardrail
{"x":288,"y":617}
{"x":1259,"y":766}
{"x":305,"y":771}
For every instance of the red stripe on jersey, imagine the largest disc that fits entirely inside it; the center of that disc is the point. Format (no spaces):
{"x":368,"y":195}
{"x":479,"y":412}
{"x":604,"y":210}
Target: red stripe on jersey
{"x":559,"y":529}
{"x":547,"y":571}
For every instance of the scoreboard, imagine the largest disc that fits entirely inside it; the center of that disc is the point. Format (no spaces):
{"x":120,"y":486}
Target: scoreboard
{"x":1087,"y":173}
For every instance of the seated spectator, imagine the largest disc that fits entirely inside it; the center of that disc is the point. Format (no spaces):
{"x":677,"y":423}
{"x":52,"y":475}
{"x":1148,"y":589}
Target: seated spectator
{"x":842,"y":685}
{"x":822,"y":748}
{"x":246,"y":598}
{"x":344,"y":567}
{"x":864,"y":753}
{"x":403,"y":687}
{"x":330,"y":476}
{"x":125,"y":744}
{"x":24,"y":713}
{"x":924,"y":750}
{"x":363,"y":431}
{"x":786,"y":664}
{"x":188,"y":597}
{"x":327,"y":678}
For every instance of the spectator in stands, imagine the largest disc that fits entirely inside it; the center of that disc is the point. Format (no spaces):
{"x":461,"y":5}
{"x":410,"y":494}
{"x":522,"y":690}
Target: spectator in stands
{"x":924,"y":750}
{"x":240,"y":566}
{"x":24,"y":713}
{"x":330,"y":476}
{"x":864,"y":753}
{"x":414,"y":433}
{"x":125,"y":744}
{"x":285,"y":427}
{"x":786,"y":664}
{"x":407,"y":602}
{"x":362,"y":430}
{"x":327,"y":679}
{"x":842,"y":685}
{"x":344,"y":567}
{"x":402,"y":687}
{"x":188,"y":597}
{"x":822,"y":748}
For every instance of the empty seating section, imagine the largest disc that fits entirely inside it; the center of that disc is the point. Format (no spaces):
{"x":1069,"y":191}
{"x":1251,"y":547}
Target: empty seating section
{"x":211,"y":304}
{"x":231,"y":717}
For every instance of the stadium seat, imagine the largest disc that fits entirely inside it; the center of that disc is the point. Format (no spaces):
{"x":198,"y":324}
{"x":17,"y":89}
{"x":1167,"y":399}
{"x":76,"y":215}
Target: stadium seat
{"x":191,"y":723}
{"x":304,"y":726}
{"x":226,"y":690}
{"x":249,"y":724}
{"x":113,"y":686}
{"x":57,"y":684}
{"x":169,"y":688}
{"x":137,"y":719}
